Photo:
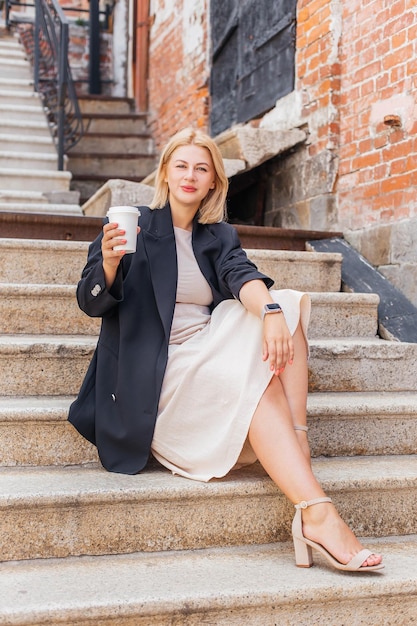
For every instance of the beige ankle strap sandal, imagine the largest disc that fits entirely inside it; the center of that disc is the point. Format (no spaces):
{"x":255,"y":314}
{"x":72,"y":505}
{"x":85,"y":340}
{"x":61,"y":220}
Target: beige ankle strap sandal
{"x":304,"y":547}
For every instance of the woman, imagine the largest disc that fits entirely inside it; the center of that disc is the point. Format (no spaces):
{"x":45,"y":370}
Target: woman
{"x":197,"y":361}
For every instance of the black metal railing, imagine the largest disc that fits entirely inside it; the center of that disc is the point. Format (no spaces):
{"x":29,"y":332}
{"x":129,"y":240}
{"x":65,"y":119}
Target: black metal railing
{"x":53,"y":76}
{"x":46,"y":42}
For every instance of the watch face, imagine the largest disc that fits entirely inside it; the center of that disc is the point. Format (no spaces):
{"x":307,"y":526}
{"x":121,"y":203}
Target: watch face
{"x":272,"y":307}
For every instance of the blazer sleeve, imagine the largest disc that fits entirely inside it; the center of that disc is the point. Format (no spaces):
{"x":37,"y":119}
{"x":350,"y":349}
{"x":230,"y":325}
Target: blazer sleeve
{"x":235,"y":269}
{"x":92,"y":294}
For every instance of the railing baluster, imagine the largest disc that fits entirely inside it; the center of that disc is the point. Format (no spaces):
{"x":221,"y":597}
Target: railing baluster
{"x":36,"y":50}
{"x":62,"y":91}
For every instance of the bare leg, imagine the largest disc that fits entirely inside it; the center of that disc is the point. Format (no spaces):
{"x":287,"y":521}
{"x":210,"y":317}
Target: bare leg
{"x":294,"y":381}
{"x":275,"y":443}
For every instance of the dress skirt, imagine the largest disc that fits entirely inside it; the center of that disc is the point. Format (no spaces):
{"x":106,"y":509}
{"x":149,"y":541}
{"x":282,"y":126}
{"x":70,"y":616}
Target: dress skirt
{"x":212,"y":386}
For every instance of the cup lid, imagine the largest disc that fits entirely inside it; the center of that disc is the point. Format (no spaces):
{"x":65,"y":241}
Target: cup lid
{"x":123,"y":209}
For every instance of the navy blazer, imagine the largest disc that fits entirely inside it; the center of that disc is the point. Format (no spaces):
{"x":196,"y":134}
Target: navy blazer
{"x":117,"y":405}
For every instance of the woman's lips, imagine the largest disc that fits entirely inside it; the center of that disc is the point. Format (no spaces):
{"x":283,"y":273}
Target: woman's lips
{"x":188,"y":189}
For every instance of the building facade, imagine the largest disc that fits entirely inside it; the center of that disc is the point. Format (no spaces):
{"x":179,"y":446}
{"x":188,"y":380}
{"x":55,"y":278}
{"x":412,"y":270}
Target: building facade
{"x":347,"y":76}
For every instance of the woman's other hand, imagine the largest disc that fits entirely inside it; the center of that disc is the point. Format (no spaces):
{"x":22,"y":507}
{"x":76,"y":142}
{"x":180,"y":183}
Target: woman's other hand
{"x":278,"y":346}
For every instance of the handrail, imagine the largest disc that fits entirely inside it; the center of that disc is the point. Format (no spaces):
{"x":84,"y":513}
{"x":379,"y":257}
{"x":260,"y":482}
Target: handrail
{"x":52,"y":75}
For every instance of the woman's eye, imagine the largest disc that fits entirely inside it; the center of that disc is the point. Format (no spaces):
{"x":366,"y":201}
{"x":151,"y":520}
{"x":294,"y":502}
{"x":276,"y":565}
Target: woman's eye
{"x":201,"y":169}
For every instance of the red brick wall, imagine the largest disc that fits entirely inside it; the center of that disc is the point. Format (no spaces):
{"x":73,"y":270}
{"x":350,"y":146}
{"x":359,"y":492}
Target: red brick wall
{"x":178,"y":67}
{"x":378,"y":162}
{"x":318,"y":71}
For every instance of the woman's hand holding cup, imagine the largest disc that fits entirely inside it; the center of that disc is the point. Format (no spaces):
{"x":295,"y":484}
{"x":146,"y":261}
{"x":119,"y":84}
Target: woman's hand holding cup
{"x":119,"y":238}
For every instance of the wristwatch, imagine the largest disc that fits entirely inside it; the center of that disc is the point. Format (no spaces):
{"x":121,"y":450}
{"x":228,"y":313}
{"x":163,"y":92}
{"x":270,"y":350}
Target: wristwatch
{"x":270,"y":308}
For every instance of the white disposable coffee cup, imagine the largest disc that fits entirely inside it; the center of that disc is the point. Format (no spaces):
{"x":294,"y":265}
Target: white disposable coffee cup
{"x":126,"y":218}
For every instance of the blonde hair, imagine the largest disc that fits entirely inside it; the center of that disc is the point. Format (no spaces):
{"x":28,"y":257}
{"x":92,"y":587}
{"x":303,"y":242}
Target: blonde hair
{"x":213,"y":208}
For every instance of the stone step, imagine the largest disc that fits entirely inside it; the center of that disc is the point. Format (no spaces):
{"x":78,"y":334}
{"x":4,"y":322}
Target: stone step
{"x":45,"y":436}
{"x":42,"y":262}
{"x":34,"y":180}
{"x":310,"y":273}
{"x":13,"y":97}
{"x":249,"y":585}
{"x":29,"y":261}
{"x":49,"y":309}
{"x":362,"y":423}
{"x":10,"y":142}
{"x":22,"y":84}
{"x":28,"y":129}
{"x":55,"y":365}
{"x":134,"y":124}
{"x":22,"y":112}
{"x":9,"y":42}
{"x":41,"y":208}
{"x":123,"y":165}
{"x":41,"y":161}
{"x":362,"y":365}
{"x":343,"y":315}
{"x":106,"y":105}
{"x":341,"y":424}
{"x":11,"y":51}
{"x":15,"y":68}
{"x":20,"y":196}
{"x":103,"y":143}
{"x":53,"y":309}
{"x":60,"y":512}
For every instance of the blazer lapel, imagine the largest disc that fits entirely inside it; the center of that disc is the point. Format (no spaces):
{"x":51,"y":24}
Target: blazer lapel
{"x":206,"y":248}
{"x":159,"y":243}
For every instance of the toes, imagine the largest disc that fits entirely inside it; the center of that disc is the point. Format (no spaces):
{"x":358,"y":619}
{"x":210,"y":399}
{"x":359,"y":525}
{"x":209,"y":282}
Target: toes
{"x":374,"y":559}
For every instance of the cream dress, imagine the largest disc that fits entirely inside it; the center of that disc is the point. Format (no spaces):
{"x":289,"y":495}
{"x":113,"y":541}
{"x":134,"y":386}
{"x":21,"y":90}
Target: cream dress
{"x":215,"y":375}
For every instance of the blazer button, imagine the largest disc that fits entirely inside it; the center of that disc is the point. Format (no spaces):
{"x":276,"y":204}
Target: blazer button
{"x":113,"y":397}
{"x":96,"y":290}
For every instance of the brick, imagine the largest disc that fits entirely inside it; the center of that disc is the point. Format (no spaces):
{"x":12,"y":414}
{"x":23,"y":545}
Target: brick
{"x":397,"y":57}
{"x":398,"y":167}
{"x":371,"y":191}
{"x":366,"y":160}
{"x":397,"y":150}
{"x":367,"y":71}
{"x":395,"y":183}
{"x":381,"y":81}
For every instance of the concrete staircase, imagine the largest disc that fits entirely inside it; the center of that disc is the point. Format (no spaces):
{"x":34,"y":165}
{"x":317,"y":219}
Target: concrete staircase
{"x":81,"y":546}
{"x":29,"y":179}
{"x":116,"y":145}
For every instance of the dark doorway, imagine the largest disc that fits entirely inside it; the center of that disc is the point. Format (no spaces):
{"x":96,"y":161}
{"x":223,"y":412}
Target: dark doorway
{"x":253,"y":58}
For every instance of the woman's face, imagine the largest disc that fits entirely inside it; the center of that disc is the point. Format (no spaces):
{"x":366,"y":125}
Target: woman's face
{"x":190,"y":175}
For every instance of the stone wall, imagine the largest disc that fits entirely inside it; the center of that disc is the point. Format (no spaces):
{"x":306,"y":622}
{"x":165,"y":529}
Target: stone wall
{"x":392,"y":248}
{"x":300,"y":191}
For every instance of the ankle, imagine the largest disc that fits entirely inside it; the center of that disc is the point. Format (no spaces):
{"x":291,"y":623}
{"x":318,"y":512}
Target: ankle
{"x":318,"y":514}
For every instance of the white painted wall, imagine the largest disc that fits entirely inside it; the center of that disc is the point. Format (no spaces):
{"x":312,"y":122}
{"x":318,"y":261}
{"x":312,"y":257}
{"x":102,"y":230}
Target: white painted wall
{"x":121,"y":43}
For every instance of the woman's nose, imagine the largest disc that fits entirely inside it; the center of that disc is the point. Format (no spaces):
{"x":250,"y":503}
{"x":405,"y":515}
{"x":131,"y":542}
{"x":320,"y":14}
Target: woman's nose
{"x":189,"y":173}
